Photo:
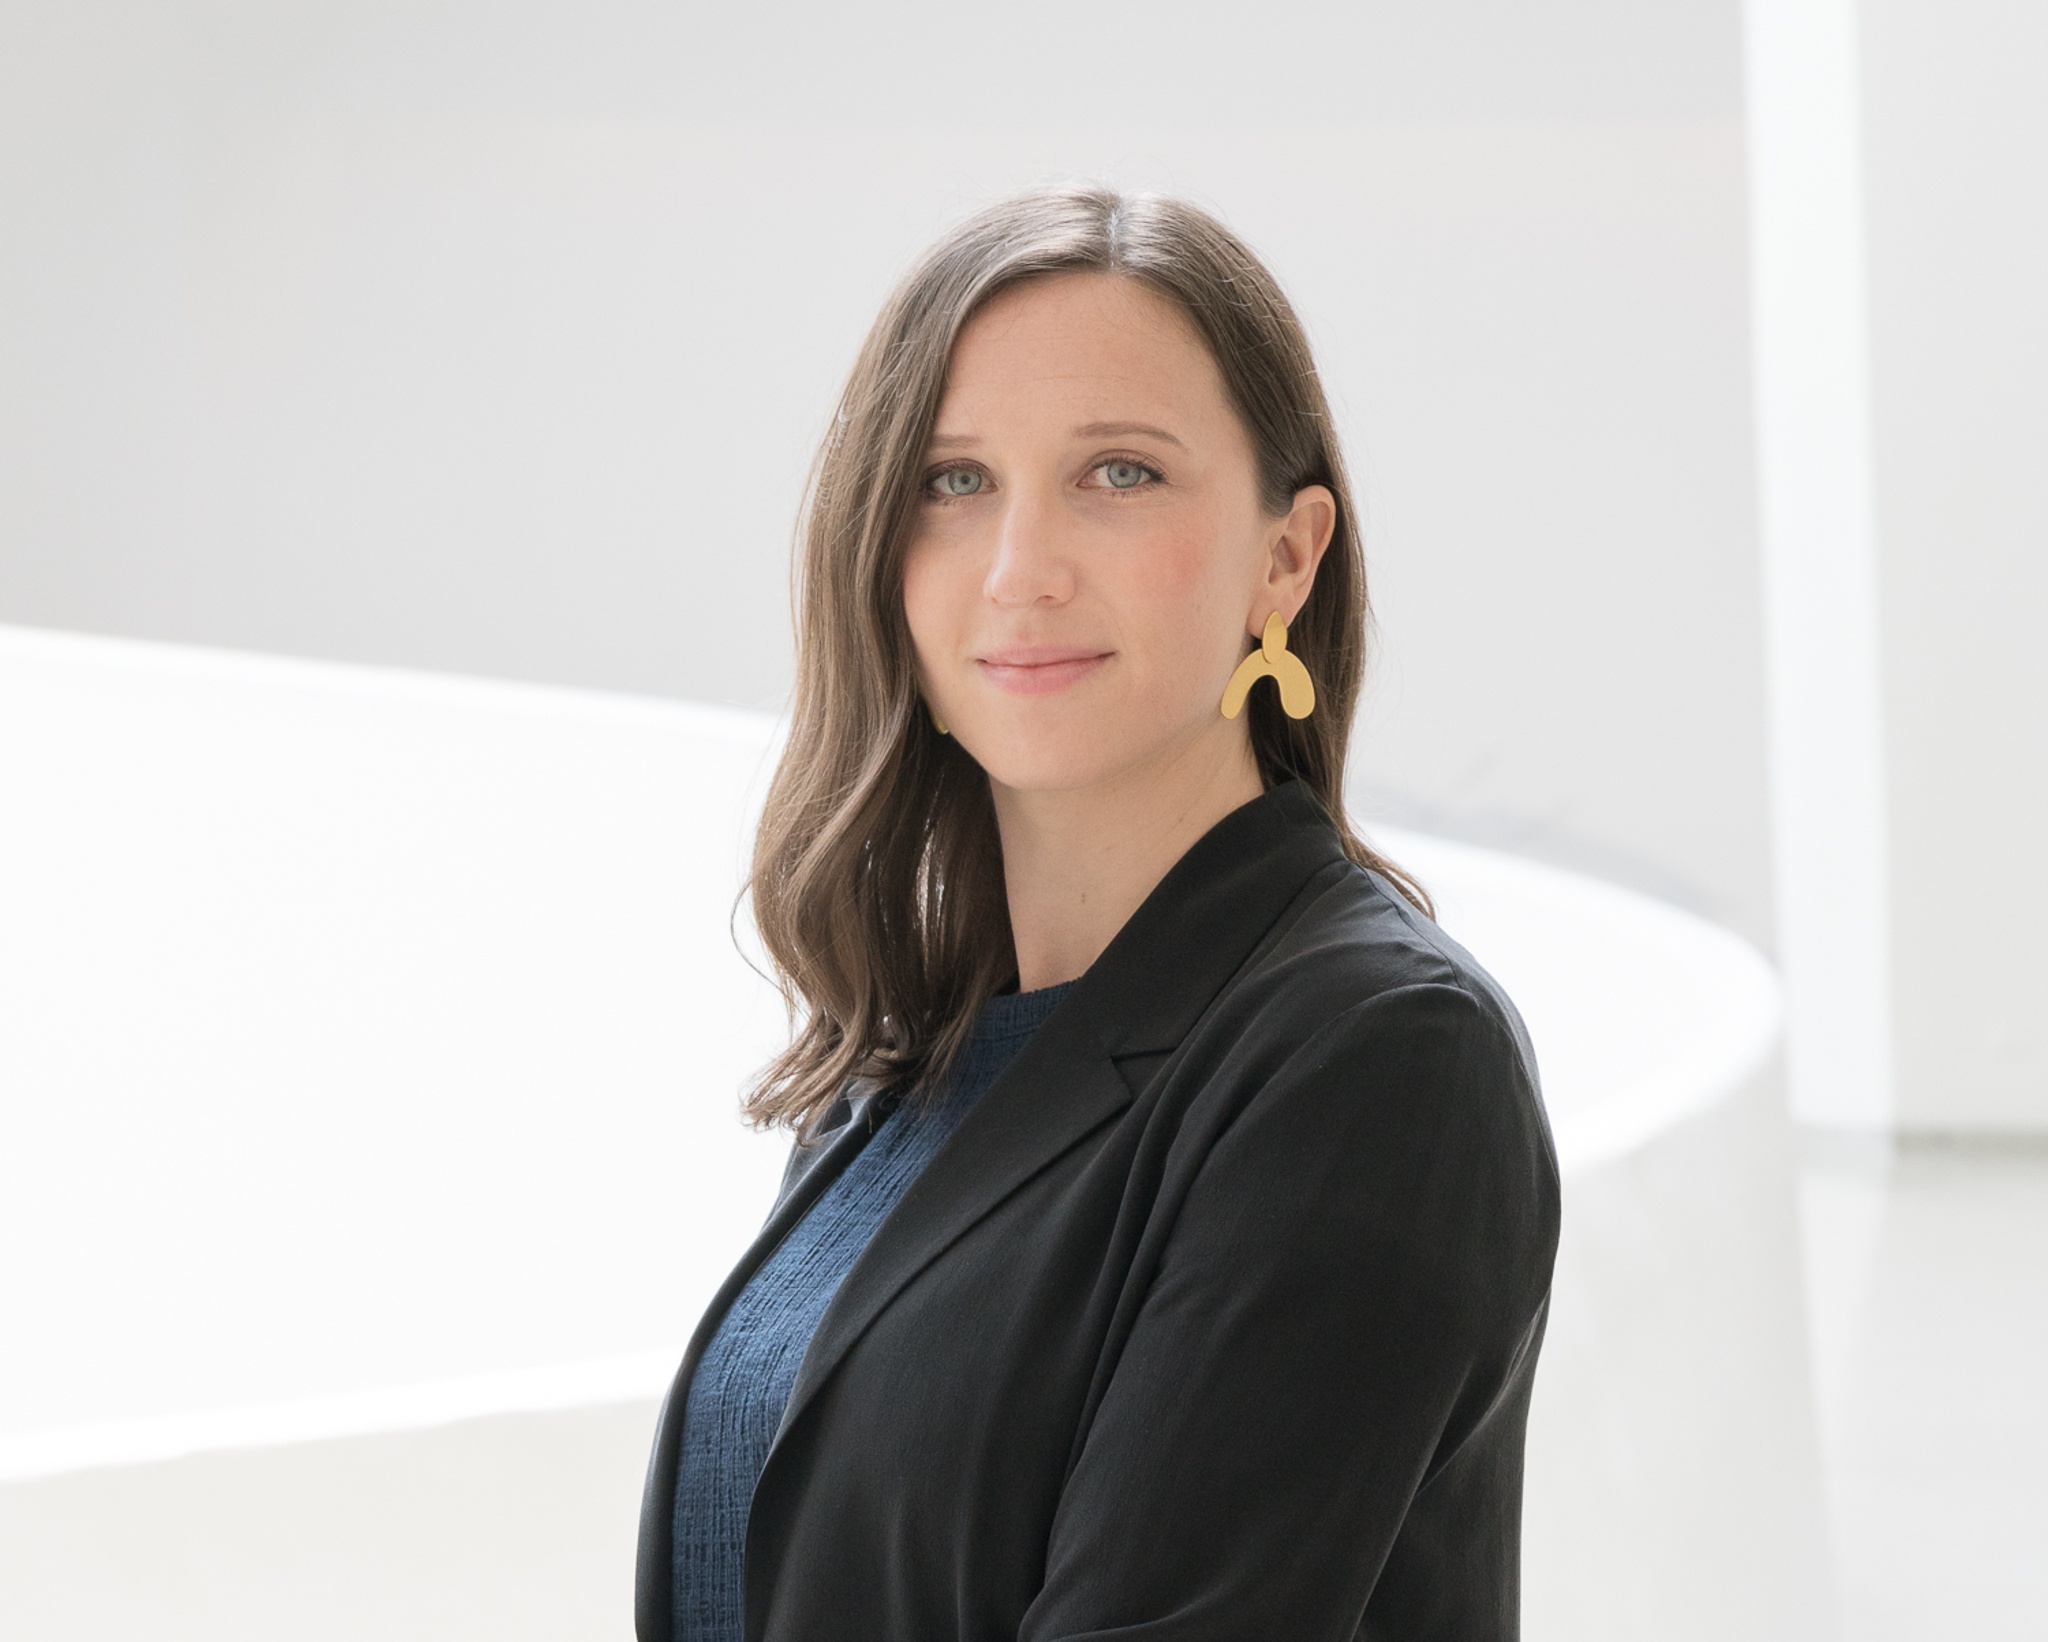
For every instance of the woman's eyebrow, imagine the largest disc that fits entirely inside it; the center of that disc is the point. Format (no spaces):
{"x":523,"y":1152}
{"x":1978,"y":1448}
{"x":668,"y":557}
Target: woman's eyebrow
{"x":1110,"y":430}
{"x":1087,"y":430}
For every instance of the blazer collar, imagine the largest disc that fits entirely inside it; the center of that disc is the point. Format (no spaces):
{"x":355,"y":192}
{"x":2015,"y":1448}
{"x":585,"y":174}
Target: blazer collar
{"x":1150,"y":985}
{"x":1190,"y":935}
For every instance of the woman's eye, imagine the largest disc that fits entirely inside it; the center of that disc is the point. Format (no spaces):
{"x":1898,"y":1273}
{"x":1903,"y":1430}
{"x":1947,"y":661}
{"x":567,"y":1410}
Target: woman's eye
{"x":955,"y":482}
{"x":1121,"y":475}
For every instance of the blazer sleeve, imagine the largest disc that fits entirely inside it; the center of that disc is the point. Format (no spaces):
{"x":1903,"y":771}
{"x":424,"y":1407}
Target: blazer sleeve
{"x":1320,"y":1402}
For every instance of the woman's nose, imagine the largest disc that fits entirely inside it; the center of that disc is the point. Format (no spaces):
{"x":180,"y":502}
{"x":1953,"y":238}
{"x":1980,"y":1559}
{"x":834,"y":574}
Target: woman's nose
{"x":1033,"y":562}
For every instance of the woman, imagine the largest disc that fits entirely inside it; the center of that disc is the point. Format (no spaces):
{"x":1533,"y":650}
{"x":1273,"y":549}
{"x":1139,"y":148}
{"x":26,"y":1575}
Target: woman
{"x":1167,"y":1244}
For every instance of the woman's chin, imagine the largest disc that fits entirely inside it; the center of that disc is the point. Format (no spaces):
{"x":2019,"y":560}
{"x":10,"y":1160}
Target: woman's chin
{"x":1057,"y":764}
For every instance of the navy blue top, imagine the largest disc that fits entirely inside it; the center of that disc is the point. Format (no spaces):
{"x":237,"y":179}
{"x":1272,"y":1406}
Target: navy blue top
{"x":743,"y":1380}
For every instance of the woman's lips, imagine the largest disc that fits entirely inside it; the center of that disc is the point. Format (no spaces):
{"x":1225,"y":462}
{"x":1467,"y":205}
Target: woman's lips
{"x":1039,"y":670}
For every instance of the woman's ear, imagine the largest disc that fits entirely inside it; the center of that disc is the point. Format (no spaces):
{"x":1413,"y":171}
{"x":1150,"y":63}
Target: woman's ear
{"x":1293,"y":552}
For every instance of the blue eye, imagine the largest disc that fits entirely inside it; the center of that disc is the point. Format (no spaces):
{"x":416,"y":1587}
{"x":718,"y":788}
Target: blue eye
{"x":1123,"y":475}
{"x":956,"y":482}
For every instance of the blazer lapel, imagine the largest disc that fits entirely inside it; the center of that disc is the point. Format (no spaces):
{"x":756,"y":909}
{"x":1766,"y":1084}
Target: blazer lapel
{"x":655,"y":1574}
{"x":1163,"y":969}
{"x":1060,"y":1086}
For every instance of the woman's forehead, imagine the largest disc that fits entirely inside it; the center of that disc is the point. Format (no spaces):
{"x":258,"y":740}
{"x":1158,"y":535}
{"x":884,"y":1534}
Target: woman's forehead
{"x":1082,"y":348}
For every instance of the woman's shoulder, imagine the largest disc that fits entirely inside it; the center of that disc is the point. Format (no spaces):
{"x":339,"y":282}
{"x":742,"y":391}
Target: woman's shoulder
{"x":1364,"y":1063}
{"x":1353,"y":946}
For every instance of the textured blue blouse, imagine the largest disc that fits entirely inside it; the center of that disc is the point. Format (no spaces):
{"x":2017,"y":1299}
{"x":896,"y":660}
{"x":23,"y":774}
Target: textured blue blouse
{"x":743,"y":1380}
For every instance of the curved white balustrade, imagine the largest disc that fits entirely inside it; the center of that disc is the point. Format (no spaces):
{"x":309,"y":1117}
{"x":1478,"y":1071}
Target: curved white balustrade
{"x":373,"y":1050}
{"x":372,"y":1045}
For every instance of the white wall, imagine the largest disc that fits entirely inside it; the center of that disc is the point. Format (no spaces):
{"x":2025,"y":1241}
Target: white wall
{"x":1810,"y":337}
{"x":496,"y":338}
{"x":1956,"y":121}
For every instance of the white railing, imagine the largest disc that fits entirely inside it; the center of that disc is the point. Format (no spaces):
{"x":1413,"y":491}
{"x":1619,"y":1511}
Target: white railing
{"x":372,"y":1042}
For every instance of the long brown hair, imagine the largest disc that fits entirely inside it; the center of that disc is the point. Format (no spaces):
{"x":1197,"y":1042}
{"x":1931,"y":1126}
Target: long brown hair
{"x":877,"y":877}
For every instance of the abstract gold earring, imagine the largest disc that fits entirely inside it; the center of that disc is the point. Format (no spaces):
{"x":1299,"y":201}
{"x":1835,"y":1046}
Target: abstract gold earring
{"x":938,"y":723}
{"x":1272,"y":660}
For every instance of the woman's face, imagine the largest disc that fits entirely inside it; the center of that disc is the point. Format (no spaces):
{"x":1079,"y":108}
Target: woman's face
{"x":1090,"y":550}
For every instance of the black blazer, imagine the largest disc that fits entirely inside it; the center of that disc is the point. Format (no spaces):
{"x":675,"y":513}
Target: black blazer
{"x":1216,"y":1317}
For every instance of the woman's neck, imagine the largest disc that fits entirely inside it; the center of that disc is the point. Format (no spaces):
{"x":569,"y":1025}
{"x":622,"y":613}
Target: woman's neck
{"x":1077,"y":864}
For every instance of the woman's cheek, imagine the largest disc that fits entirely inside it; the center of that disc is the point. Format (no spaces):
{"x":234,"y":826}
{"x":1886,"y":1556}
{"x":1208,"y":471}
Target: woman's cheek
{"x":1177,"y":592}
{"x":925,"y":604}
{"x":1177,"y":562}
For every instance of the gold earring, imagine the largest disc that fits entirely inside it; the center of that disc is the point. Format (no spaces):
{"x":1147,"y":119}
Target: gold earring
{"x":1272,"y":660}
{"x":938,"y":723}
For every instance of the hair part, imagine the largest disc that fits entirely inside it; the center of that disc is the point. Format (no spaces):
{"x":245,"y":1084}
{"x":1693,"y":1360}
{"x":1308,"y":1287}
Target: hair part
{"x":877,"y":876}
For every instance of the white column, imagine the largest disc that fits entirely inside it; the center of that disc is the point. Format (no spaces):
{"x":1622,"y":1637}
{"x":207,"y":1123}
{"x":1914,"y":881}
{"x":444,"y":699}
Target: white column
{"x":1810,"y":335}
